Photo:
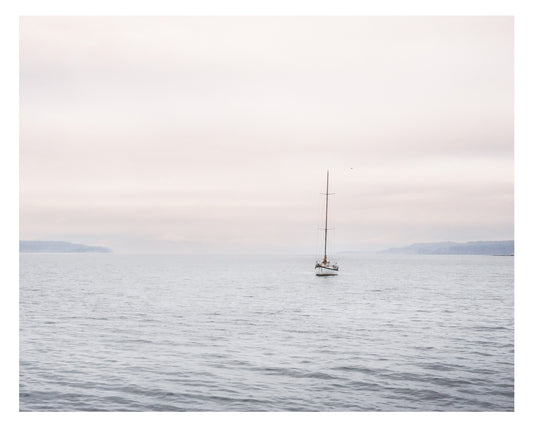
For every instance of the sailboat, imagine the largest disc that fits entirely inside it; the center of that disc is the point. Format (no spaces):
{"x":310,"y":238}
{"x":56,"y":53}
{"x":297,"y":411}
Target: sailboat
{"x":324,"y":267}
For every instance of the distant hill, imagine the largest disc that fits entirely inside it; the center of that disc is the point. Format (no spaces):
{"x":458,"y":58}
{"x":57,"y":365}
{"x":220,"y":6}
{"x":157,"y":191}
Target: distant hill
{"x":501,"y":248}
{"x":58,"y":247}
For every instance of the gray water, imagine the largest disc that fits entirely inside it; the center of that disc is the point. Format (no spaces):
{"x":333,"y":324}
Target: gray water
{"x":197,"y":333}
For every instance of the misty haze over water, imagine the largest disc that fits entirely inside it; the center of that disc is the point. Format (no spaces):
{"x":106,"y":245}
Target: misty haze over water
{"x":203,"y":135}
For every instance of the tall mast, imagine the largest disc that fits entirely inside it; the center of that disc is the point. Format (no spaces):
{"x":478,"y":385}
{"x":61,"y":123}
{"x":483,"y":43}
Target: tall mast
{"x":326,"y":227}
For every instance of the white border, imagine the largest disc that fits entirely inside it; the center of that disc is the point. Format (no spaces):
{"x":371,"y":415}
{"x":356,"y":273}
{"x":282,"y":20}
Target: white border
{"x":523,"y":213}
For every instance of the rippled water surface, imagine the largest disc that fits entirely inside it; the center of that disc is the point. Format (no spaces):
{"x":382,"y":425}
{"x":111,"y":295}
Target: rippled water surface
{"x":195,"y":333}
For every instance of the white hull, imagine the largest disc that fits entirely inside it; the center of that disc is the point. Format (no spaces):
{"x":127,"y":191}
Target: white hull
{"x":321,"y":272}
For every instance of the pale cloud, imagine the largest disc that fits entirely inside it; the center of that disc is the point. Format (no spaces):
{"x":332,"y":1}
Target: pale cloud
{"x":219,"y":130}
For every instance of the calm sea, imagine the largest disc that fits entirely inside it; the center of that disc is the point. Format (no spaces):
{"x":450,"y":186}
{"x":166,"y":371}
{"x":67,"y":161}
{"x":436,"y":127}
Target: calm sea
{"x":229,"y":333}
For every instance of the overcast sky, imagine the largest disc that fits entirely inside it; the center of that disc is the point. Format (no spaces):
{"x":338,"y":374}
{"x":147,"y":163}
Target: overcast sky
{"x":214,"y":134}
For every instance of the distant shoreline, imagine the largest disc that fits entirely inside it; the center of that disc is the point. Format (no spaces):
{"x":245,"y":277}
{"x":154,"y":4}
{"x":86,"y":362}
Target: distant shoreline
{"x":29,"y":246}
{"x":492,"y":248}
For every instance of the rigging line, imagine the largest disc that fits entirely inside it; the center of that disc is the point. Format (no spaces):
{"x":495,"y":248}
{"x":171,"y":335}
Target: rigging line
{"x":332,"y":225}
{"x":326,"y":224}
{"x":318,"y":215}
